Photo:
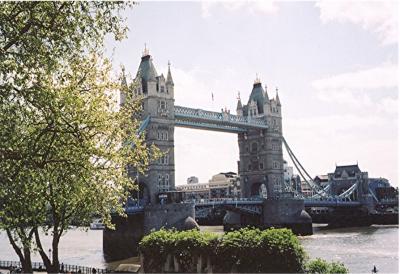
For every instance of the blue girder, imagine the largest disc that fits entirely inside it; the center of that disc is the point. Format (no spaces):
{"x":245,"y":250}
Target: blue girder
{"x":144,"y":124}
{"x":220,"y":121}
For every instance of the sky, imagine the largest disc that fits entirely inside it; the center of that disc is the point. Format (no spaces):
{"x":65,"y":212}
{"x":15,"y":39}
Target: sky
{"x":335,"y":64}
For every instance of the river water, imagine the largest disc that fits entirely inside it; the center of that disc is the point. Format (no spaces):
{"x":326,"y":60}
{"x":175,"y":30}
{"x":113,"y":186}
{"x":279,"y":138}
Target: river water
{"x":358,"y":248}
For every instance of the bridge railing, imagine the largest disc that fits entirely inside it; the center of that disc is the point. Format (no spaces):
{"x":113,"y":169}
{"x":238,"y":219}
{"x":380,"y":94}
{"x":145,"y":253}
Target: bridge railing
{"x":227,"y":200}
{"x":64,"y":268}
{"x":218,"y":116}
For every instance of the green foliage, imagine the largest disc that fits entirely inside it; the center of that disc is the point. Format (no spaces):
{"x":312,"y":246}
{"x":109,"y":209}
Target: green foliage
{"x":186,"y":246}
{"x":61,"y":157}
{"x":254,"y":250}
{"x":320,"y":266}
{"x":244,"y":250}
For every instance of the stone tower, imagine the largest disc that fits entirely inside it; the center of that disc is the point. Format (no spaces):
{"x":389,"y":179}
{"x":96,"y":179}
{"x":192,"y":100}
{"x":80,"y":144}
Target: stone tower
{"x":158,"y":104}
{"x":261,"y":158}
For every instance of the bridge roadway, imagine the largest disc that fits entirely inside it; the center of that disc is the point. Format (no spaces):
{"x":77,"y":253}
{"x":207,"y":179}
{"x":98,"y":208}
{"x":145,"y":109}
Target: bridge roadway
{"x":217,"y":121}
{"x":132,"y":208}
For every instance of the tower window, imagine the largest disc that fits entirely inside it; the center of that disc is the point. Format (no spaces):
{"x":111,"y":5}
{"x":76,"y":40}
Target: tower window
{"x":162,"y":89}
{"x":261,"y":165}
{"x":162,"y":135}
{"x":164,"y":160}
{"x":254,"y":147}
{"x":163,"y":182}
{"x":163,"y":104}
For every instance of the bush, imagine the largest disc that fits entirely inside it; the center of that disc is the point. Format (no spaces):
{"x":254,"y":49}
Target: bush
{"x":155,"y":248}
{"x":186,"y":246}
{"x":320,"y":266}
{"x":189,"y":245}
{"x":244,"y":250}
{"x":253,"y":250}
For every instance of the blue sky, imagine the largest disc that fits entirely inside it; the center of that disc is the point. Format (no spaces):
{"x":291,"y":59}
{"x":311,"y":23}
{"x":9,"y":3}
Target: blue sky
{"x":335,"y":64}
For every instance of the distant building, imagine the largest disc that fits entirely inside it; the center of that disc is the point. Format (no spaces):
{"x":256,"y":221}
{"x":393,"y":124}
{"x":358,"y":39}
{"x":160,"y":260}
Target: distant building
{"x":222,"y":185}
{"x":292,"y":181}
{"x":194,"y":191}
{"x":287,"y":172}
{"x":321,"y":180}
{"x":192,"y":180}
{"x":306,"y":190}
{"x":225,"y":185}
{"x":344,"y":177}
{"x":381,"y":189}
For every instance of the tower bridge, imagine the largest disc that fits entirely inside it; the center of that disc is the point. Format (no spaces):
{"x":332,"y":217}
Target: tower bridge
{"x":258,"y":125}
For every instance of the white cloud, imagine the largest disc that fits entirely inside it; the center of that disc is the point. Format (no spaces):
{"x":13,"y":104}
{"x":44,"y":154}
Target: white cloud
{"x":384,"y":76}
{"x":322,"y":141}
{"x":380,"y":17}
{"x":258,"y":6}
{"x":359,"y":89}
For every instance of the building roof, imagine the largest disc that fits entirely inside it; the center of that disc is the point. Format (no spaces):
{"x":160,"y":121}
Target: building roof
{"x":257,"y":94}
{"x":229,"y":174}
{"x":146,"y":70}
{"x":322,"y":177}
{"x":351,"y":170}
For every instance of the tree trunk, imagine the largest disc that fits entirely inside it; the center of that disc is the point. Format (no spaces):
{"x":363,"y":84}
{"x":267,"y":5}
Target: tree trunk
{"x":56,"y":262}
{"x":45,"y":258}
{"x":27,"y":267}
{"x":24,"y":258}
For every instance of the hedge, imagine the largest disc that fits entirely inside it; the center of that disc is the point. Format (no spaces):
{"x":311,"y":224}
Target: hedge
{"x":320,"y":266}
{"x":244,"y":250}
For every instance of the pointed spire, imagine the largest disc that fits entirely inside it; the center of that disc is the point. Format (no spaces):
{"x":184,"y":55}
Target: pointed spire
{"x":169,"y":76}
{"x":239,"y":103}
{"x":278,"y":102}
{"x":145,"y":51}
{"x":257,"y":81}
{"x":266,"y":95}
{"x":146,"y":70}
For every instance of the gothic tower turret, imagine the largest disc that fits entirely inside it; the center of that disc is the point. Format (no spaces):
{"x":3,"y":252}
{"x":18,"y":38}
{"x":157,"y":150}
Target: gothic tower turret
{"x":261,"y":159}
{"x":239,"y":107}
{"x":158,"y":104}
{"x":170,"y":82}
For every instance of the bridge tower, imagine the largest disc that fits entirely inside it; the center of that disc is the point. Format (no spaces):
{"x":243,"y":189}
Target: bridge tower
{"x":158,"y":104}
{"x":261,"y":158}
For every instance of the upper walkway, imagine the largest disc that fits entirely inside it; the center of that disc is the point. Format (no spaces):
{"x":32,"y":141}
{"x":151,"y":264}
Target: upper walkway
{"x":217,"y":121}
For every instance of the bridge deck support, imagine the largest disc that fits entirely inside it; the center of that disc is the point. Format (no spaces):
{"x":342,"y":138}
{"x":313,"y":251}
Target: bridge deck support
{"x":278,"y":213}
{"x":123,"y":242}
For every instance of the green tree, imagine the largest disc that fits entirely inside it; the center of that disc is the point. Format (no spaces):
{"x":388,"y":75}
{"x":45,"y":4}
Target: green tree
{"x":64,"y":149}
{"x":320,"y":266}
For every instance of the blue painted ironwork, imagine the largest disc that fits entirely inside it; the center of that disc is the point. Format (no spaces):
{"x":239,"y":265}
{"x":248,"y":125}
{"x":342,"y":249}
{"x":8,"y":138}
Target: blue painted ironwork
{"x":144,"y":124}
{"x":222,"y":121}
{"x":330,"y":202}
{"x":208,"y":126}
